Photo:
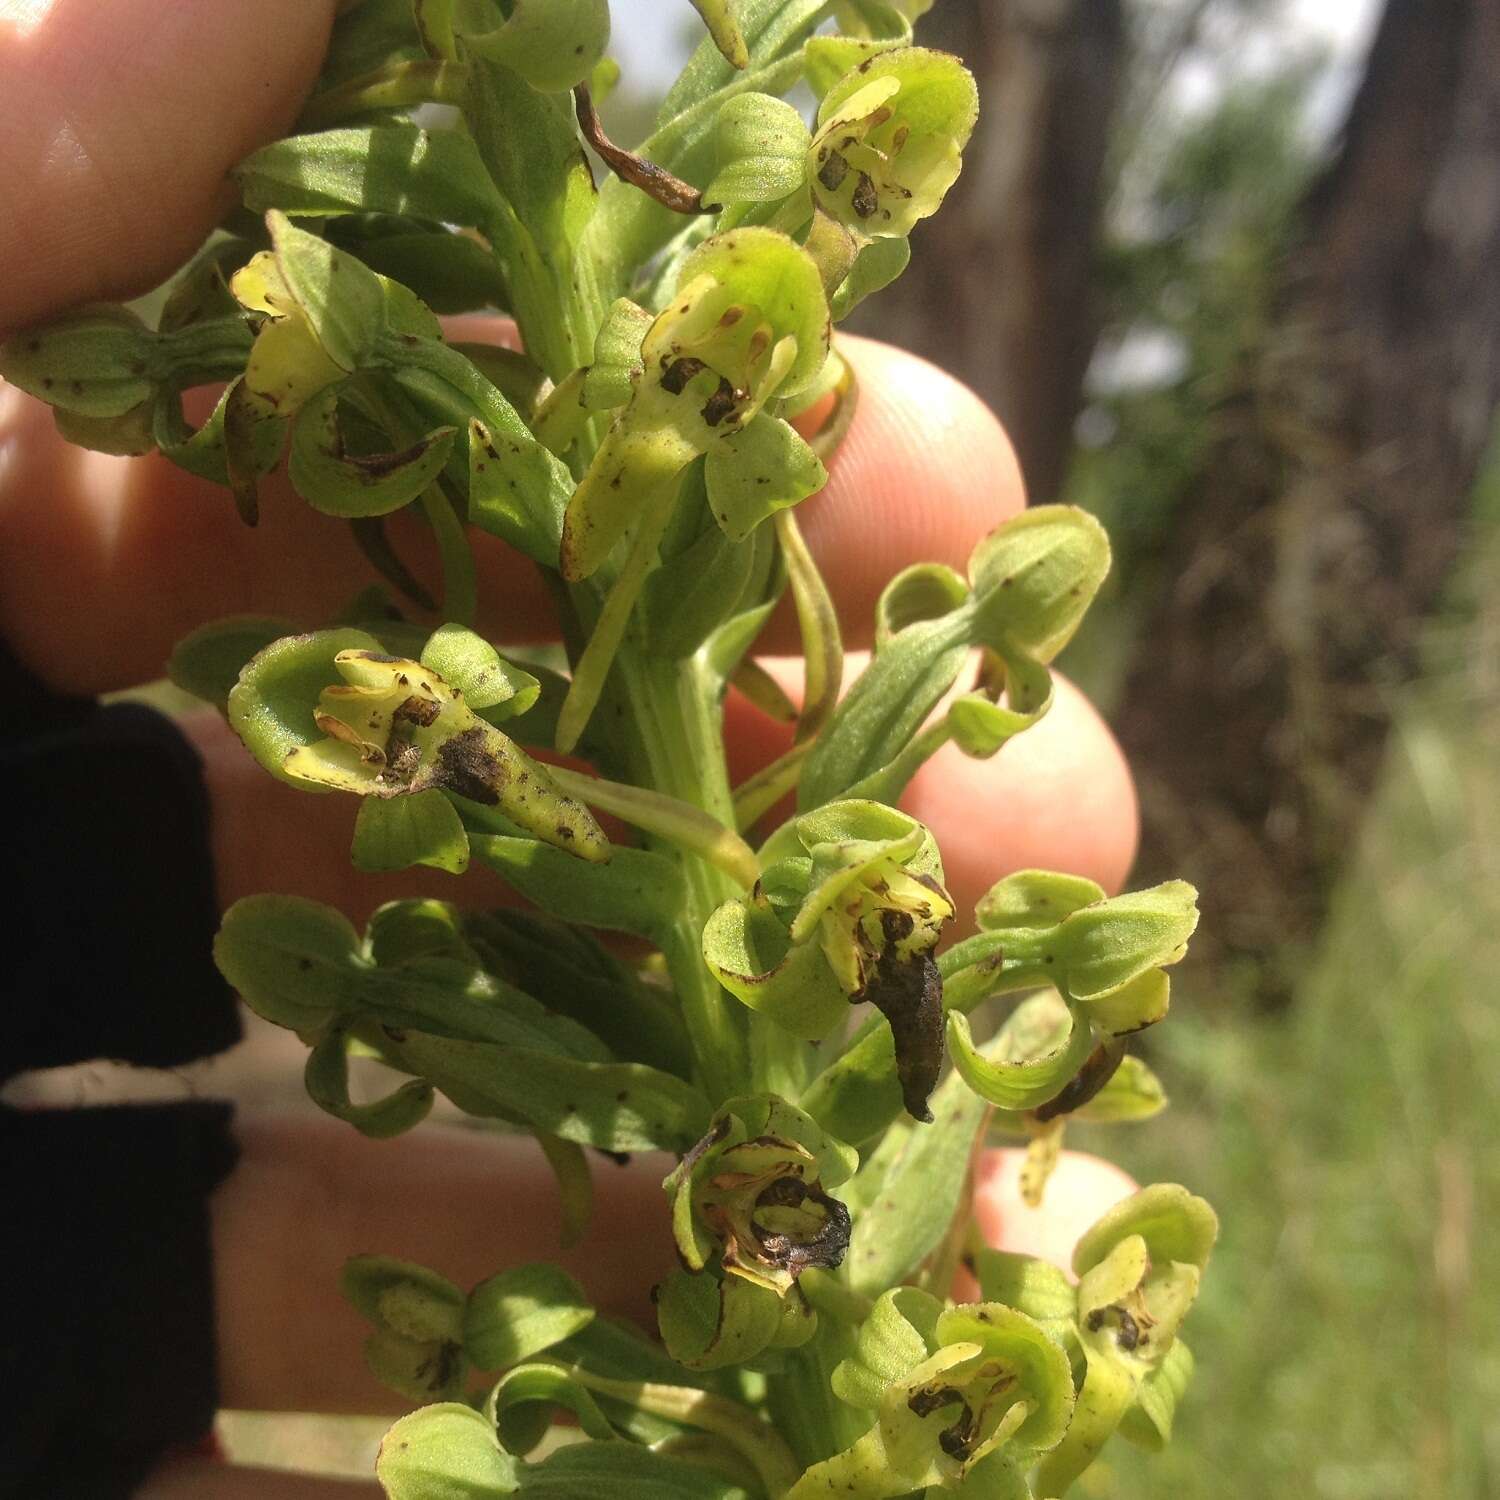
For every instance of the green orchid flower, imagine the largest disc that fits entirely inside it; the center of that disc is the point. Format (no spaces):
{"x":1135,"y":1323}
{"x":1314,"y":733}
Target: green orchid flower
{"x":965,"y":1400}
{"x":1139,"y":1271}
{"x":850,"y":911}
{"x":889,"y":140}
{"x":749,"y":321}
{"x":394,"y":728}
{"x":756,"y":1191}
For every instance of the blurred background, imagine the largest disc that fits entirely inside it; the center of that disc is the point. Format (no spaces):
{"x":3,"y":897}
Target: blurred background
{"x":1229,"y":270}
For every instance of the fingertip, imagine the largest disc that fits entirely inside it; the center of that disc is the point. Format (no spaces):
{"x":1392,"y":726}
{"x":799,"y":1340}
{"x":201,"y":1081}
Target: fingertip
{"x":1080,"y":1190}
{"x":925,"y":471}
{"x":119,"y":124}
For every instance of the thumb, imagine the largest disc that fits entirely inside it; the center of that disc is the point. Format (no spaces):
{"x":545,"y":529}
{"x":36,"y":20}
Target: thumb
{"x":118,"y":125}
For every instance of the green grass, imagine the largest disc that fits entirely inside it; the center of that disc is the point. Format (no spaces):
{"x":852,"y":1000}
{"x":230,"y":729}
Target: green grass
{"x":1349,"y":1331}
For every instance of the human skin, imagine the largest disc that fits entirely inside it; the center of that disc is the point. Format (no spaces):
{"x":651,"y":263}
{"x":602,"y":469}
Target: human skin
{"x":118,"y":125}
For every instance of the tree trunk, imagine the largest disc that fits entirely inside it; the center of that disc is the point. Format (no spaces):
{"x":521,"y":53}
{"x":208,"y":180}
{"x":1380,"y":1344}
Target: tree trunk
{"x":1335,"y":500}
{"x":1004,"y":300}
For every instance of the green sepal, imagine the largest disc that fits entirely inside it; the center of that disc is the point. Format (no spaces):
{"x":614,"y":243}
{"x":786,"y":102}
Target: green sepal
{"x":391,"y":169}
{"x":207,"y":662}
{"x":830,"y":59}
{"x":552,"y":44}
{"x":749,"y":951}
{"x":900,"y":1332}
{"x":1175,"y":1224}
{"x":522,"y":1402}
{"x":1101,"y":948}
{"x":418,"y":1318}
{"x":519,"y":1313}
{"x":979,"y":726}
{"x":256,"y":439}
{"x":402,"y":931}
{"x":617,"y":363}
{"x":341,"y":299}
{"x":398,"y":832}
{"x":339,"y":483}
{"x":1034,"y":898}
{"x":761,"y":469}
{"x":326,"y":1078}
{"x":762,"y":145}
{"x":493,"y":687}
{"x":1017,"y":1083}
{"x":772,"y":274}
{"x":876,"y":266}
{"x":402,"y":1298}
{"x":1035,"y":577}
{"x":445,"y":1452}
{"x":707,"y":1323}
{"x":96,"y":361}
{"x":1148,"y":1424}
{"x":924,"y":591}
{"x":1133,"y":1093}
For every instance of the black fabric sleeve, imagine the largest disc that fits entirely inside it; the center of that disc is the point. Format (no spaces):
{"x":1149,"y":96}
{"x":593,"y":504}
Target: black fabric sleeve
{"x":107,"y":884}
{"x":109,"y":1357}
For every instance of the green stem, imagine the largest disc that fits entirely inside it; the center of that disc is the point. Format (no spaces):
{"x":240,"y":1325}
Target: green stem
{"x":592,"y":668}
{"x":750,"y":1436}
{"x":671,"y":741}
{"x":460,"y":584}
{"x":394,"y":86}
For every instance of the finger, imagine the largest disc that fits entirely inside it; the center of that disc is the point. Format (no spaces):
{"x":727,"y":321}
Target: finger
{"x":923,"y":473}
{"x":1059,"y":796}
{"x":1080,"y":1190}
{"x":118,"y":126}
{"x":203,"y":1479}
{"x":309,"y":1193}
{"x":150,"y":553}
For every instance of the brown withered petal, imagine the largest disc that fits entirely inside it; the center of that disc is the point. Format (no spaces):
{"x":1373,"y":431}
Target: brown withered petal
{"x":825,"y":1249}
{"x":1098,"y":1068}
{"x":908,"y":992}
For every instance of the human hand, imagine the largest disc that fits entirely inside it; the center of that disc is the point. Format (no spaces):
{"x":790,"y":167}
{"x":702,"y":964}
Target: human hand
{"x":117,"y":127}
